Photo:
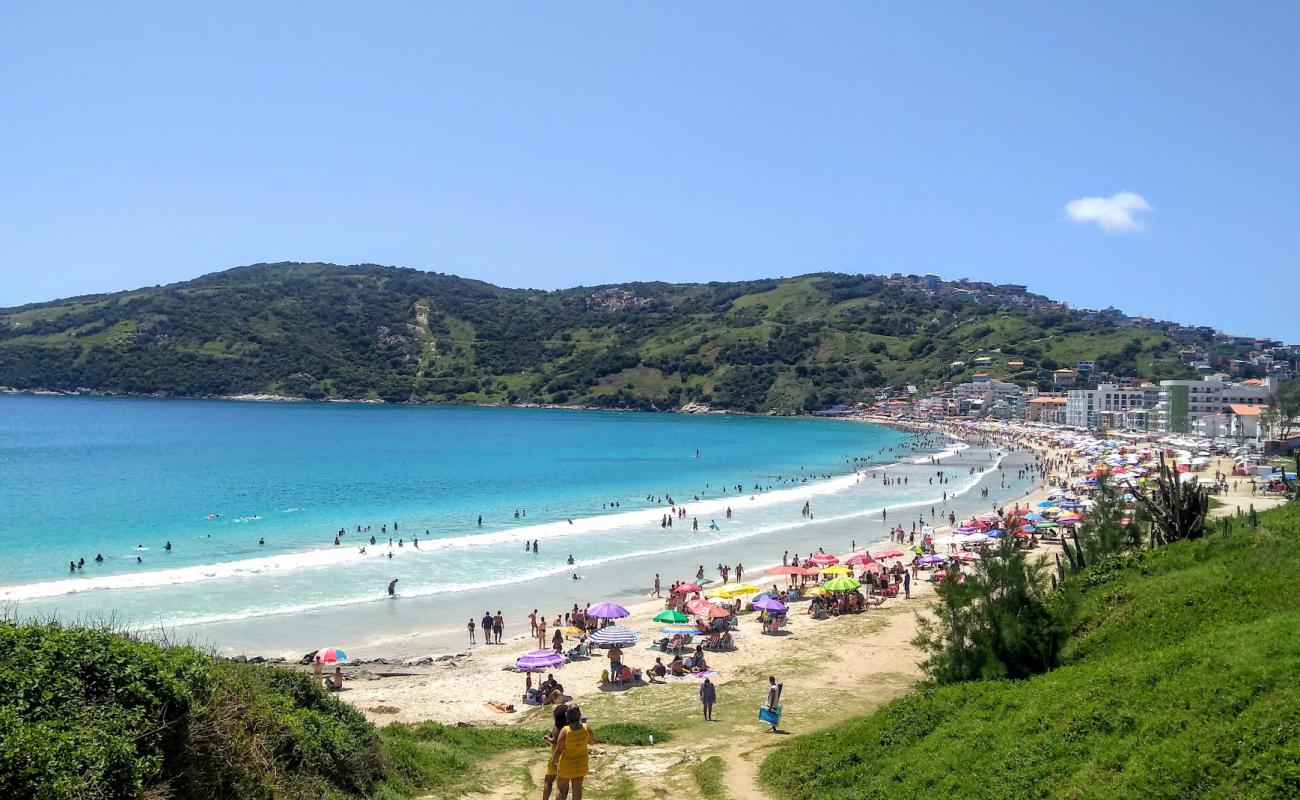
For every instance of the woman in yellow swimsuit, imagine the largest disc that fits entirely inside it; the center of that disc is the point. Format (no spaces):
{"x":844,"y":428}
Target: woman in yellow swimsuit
{"x":561,"y":719}
{"x":570,"y":757}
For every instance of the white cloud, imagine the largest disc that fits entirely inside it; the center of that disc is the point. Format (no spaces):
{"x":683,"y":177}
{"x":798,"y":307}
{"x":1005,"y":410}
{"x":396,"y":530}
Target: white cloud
{"x":1114,"y":214}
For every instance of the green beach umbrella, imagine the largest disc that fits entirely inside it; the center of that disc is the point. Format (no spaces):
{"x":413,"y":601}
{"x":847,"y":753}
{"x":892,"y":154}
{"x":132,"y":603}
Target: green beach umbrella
{"x":670,"y":615}
{"x":841,"y":584}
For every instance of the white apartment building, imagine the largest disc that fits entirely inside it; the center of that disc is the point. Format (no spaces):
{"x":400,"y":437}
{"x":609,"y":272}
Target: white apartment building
{"x":989,"y":398}
{"x":1108,"y":406}
{"x":1183,"y":402}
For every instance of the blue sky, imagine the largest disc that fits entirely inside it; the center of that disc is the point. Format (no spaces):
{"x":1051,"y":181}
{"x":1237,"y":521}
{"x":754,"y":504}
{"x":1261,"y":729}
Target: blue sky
{"x":562,"y":144}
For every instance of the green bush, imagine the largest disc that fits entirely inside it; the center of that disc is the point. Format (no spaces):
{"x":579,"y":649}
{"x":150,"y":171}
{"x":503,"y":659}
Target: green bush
{"x":89,"y":713}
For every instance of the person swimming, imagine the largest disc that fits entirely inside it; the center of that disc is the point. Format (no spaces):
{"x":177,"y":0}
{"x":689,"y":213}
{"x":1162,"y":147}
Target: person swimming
{"x":168,"y":546}
{"x":261,"y":541}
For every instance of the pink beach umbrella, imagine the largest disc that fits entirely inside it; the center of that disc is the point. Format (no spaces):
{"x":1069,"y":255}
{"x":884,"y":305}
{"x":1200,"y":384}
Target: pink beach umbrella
{"x":823,"y":559}
{"x":330,"y":655}
{"x":860,"y":558}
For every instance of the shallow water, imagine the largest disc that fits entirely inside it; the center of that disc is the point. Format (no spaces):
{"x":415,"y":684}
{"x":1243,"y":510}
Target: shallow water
{"x":121,"y":477}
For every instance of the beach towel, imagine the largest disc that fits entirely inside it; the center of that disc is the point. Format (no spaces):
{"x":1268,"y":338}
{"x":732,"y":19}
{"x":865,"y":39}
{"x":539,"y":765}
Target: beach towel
{"x":695,"y":676}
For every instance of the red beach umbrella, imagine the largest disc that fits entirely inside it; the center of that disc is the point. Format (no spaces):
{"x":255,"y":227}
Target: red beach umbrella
{"x":823,"y":559}
{"x":860,"y":558}
{"x":785,"y":571}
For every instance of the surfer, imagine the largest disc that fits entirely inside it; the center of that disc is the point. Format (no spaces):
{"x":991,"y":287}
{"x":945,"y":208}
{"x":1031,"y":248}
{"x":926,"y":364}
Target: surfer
{"x":392,"y":588}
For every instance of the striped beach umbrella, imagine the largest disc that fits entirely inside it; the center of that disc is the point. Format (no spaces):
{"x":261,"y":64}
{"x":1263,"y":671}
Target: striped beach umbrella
{"x":614,"y":635}
{"x":330,"y":655}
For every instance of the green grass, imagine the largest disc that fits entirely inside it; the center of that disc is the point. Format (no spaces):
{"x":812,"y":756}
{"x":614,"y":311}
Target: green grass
{"x":1178,"y":682}
{"x":632,"y":733}
{"x":708,"y":775}
{"x":446,"y":761}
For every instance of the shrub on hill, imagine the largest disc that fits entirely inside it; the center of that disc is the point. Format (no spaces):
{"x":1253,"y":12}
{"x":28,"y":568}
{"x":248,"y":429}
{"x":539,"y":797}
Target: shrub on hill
{"x":89,"y":713}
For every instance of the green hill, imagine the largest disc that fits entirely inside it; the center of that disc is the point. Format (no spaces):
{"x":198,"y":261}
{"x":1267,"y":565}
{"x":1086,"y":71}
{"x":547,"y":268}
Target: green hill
{"x":370,"y":332}
{"x":1178,"y":681}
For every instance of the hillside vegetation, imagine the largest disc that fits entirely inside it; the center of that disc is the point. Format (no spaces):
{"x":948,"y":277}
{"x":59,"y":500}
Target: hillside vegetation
{"x":91,"y":713}
{"x":369,"y":332}
{"x":1177,"y":680}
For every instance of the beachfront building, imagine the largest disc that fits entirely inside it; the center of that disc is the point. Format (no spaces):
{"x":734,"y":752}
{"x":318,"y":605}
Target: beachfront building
{"x":988,"y":398}
{"x":1182,"y":402}
{"x":1106,"y":407}
{"x":1049,"y":408}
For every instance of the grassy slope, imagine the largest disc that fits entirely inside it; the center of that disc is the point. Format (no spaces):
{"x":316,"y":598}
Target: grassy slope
{"x":1179,"y":682}
{"x":357,"y":332}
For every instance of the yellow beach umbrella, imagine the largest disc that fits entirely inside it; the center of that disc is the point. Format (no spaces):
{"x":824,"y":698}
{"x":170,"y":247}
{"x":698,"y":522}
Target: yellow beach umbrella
{"x":838,"y":569}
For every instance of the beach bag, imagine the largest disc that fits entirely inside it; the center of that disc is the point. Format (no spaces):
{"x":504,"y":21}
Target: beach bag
{"x":769,"y":716}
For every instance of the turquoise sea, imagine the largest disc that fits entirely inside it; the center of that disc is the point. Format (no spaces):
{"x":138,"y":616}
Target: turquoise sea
{"x":252,"y":495}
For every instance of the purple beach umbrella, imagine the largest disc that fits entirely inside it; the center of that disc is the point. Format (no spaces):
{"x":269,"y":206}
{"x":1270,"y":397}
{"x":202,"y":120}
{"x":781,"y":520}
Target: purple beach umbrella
{"x":933,"y":560}
{"x":769,"y":604}
{"x":535,"y":660}
{"x":607,"y":611}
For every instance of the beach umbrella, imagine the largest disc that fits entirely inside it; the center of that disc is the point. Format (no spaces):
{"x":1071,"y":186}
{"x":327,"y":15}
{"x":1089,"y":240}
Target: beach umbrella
{"x":890,"y":554}
{"x":716,"y":612}
{"x":698,"y":606}
{"x":769,"y":604}
{"x":838,"y":569}
{"x":841,"y":584}
{"x":614,"y":635}
{"x":968,"y":556}
{"x":574,"y":631}
{"x":872,"y":567}
{"x":860,"y":558}
{"x":330,"y":655}
{"x":670,"y":615}
{"x":686,"y":588}
{"x":607,"y":611}
{"x":932,"y":560}
{"x":785,"y":571}
{"x":679,"y":630}
{"x":536,"y":660}
{"x":823,"y":559}
{"x":811,"y":590}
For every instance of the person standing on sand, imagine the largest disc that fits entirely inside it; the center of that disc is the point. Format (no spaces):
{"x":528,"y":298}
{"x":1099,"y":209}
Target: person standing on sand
{"x":471,"y":631}
{"x":540,"y":630}
{"x":498,"y":625}
{"x":532,"y":622}
{"x":708,"y":696}
{"x":658,"y":593}
{"x":486,"y":622}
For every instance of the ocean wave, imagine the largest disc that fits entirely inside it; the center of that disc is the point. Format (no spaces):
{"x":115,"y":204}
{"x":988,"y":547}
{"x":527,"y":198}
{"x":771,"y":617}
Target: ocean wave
{"x":637,"y":522}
